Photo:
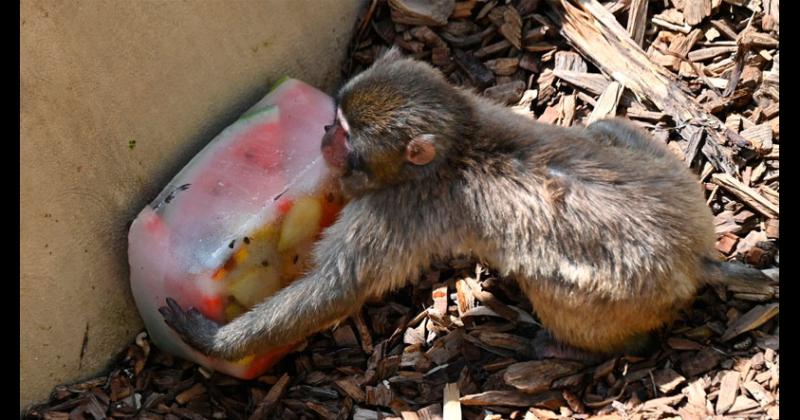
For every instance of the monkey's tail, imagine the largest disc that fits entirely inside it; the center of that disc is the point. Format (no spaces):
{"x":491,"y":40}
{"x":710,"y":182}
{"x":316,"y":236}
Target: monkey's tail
{"x":737,"y":277}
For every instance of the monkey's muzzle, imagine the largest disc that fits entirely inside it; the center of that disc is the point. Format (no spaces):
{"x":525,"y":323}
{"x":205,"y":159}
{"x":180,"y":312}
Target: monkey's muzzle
{"x":334,"y":146}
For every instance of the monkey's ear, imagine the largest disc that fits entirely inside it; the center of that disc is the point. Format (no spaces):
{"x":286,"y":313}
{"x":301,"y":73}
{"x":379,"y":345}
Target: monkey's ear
{"x":420,"y":150}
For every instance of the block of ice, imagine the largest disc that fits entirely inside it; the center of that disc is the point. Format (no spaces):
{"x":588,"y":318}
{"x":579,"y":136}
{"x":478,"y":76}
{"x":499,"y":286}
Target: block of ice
{"x":238,"y":221}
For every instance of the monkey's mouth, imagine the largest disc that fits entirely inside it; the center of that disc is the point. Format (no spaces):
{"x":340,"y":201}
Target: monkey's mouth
{"x":334,"y":147}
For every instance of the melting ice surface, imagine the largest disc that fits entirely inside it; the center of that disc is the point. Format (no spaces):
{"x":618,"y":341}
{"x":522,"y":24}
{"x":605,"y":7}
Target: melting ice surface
{"x":228,"y":190}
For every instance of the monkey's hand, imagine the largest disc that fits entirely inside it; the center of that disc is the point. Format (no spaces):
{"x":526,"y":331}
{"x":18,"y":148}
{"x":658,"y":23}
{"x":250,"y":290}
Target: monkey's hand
{"x":351,"y":262}
{"x":192,"y":326}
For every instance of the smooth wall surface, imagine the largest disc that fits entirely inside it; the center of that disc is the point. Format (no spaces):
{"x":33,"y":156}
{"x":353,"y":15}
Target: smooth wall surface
{"x":115,"y":98}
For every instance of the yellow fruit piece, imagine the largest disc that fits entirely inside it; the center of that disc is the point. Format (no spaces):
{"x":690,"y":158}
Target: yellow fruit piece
{"x":267,"y":233}
{"x":244,"y":360}
{"x":255,"y":285}
{"x":233,"y":310}
{"x":301,"y":223}
{"x":240,"y":255}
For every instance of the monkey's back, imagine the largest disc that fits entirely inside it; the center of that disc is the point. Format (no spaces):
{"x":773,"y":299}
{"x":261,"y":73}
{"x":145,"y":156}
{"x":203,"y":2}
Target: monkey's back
{"x":606,"y":233}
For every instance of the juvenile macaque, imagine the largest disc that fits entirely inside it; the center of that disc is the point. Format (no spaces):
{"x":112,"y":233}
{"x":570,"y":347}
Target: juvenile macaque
{"x":606,"y":232}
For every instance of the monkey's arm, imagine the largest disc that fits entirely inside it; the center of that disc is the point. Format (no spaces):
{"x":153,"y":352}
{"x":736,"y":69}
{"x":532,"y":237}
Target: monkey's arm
{"x":347,"y":259}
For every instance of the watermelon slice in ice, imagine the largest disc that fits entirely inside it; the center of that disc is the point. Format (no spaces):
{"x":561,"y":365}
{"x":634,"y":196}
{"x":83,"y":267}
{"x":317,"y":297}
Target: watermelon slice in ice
{"x":238,"y":221}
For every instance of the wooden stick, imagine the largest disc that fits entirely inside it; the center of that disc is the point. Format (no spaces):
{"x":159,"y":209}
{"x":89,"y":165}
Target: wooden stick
{"x":750,"y":196}
{"x":594,"y":32}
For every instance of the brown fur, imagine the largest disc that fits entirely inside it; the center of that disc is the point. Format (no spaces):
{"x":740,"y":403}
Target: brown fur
{"x":606,"y":232}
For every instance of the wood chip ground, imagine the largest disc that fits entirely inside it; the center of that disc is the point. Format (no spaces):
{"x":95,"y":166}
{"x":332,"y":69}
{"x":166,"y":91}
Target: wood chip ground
{"x":701,"y":75}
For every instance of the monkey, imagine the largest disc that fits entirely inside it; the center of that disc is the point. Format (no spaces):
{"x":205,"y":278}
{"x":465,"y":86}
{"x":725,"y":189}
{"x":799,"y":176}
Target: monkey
{"x":606,"y":232}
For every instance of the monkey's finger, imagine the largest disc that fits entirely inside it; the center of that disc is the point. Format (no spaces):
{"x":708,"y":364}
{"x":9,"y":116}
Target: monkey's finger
{"x":165,"y":312}
{"x":174,"y":305}
{"x":195,"y":313}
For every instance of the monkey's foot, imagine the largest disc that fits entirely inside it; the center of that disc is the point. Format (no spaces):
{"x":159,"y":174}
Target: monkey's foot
{"x":547,"y":347}
{"x":191,"y":325}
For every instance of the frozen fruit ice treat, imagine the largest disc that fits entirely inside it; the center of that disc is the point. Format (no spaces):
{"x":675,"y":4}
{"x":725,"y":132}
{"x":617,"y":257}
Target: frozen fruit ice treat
{"x":238,"y":222}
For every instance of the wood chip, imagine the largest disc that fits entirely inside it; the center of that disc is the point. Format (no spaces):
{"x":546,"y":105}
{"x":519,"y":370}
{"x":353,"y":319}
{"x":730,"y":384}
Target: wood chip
{"x":266,"y":406}
{"x":694,"y":11}
{"x":727,"y":392}
{"x":608,"y":102}
{"x":751,"y":320}
{"x":667,"y":380}
{"x":569,"y":61}
{"x":512,"y":399}
{"x":451,"y":403}
{"x":475,"y":70}
{"x":701,"y":362}
{"x":618,"y":56}
{"x":421,"y":12}
{"x":746,"y":194}
{"x":637,"y":20}
{"x":536,"y":376}
{"x":503,"y":66}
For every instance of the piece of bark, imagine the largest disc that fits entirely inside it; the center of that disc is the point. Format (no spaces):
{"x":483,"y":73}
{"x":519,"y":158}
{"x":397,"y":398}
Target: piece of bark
{"x":190,"y":394}
{"x":380,"y":395}
{"x":607,"y":103}
{"x":431,"y":412}
{"x":491,"y":49}
{"x":266,"y":406}
{"x":696,"y":137}
{"x":703,"y":54}
{"x":748,"y":195}
{"x":507,"y":93}
{"x":568,"y":110}
{"x":727,"y":243}
{"x":694,"y":11}
{"x":727,"y":392}
{"x":488,"y":299}
{"x":667,"y":380}
{"x":594,"y":83}
{"x":751,"y":320}
{"x":365,"y":414}
{"x":570,"y":61}
{"x":637,"y":20}
{"x":421,"y":12}
{"x":512,"y":399}
{"x":724,"y":28}
{"x":350,"y":386}
{"x":600,"y":37}
{"x":536,"y":376}
{"x":426,"y":35}
{"x":439,"y":296}
{"x":518,"y":344}
{"x":363,"y":332}
{"x":760,"y":136}
{"x":700,"y":362}
{"x":511,"y":29}
{"x":451,"y":405}
{"x":741,"y":404}
{"x":463,"y":9}
{"x":681,"y":45}
{"x":475,"y":70}
{"x":758,"y":392}
{"x":505,"y":66}
{"x":343,"y":336}
{"x":772,"y":229}
{"x":464,"y":296}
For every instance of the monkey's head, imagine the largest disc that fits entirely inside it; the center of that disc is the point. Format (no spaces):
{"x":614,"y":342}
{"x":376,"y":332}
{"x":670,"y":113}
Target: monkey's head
{"x":395,"y":122}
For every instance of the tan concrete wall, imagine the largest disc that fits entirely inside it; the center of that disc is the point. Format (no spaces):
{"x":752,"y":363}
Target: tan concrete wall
{"x":97,"y":74}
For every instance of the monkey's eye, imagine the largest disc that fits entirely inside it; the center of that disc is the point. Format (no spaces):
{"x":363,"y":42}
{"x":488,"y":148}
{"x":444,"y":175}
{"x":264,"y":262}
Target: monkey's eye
{"x":328,"y":127}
